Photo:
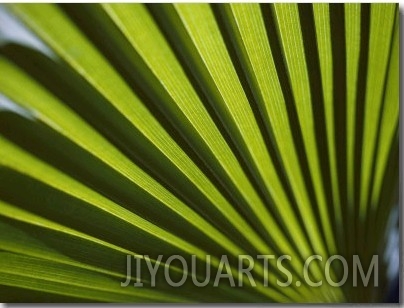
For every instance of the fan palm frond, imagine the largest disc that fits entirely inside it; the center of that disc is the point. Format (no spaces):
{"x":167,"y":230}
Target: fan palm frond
{"x":199,"y":131}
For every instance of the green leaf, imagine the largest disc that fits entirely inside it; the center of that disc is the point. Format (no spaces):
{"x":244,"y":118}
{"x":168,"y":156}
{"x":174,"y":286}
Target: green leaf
{"x":146,"y":131}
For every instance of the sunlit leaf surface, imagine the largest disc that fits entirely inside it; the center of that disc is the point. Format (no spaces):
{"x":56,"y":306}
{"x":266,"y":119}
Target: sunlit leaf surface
{"x":195,"y":129}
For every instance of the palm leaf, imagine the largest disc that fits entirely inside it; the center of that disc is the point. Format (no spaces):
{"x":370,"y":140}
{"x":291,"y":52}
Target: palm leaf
{"x":195,"y":130}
